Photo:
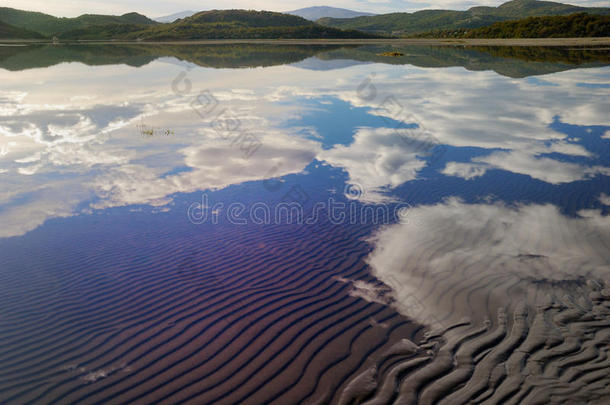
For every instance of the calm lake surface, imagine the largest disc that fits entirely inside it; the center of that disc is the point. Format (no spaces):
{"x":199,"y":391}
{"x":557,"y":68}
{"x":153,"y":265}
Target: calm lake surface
{"x":291,"y":224}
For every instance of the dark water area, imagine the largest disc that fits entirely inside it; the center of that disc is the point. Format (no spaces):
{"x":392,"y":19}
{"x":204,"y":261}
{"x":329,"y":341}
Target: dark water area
{"x":252,"y":224}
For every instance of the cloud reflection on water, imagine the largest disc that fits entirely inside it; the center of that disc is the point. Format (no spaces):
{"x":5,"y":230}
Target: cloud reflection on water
{"x":60,"y":152}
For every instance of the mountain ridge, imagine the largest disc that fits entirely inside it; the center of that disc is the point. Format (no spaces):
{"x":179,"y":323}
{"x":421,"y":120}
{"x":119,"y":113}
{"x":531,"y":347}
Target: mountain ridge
{"x":47,"y":24}
{"x":251,"y":24}
{"x":316,"y":12}
{"x":219,"y":24}
{"x":401,"y":24}
{"x":175,"y":16}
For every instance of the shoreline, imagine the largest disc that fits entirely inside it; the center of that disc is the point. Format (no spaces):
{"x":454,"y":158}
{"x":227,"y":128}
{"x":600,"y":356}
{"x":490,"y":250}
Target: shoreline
{"x":597,"y":41}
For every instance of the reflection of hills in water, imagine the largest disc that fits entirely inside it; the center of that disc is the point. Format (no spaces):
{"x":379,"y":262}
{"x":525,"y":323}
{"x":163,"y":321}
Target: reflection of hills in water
{"x":16,"y":58}
{"x":514,"y":62}
{"x":214,"y":56}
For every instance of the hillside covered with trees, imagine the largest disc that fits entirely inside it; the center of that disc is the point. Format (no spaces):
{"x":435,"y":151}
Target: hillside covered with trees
{"x":49,"y":25}
{"x":220,"y":24}
{"x":405,"y":24}
{"x":9,"y":31}
{"x":572,"y":26}
{"x":549,"y":19}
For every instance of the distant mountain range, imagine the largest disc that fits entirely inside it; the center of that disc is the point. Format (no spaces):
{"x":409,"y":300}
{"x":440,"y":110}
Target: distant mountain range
{"x":309,"y":13}
{"x":248,"y":24}
{"x":315,"y":13}
{"x":401,"y":24}
{"x":218,"y":24}
{"x":173,"y":17}
{"x":214,"y":24}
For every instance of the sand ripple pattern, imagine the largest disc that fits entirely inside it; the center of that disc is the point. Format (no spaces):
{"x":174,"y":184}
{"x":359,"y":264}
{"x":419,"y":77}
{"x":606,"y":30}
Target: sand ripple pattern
{"x":555,"y":354}
{"x":183,"y":314}
{"x":516,"y":304}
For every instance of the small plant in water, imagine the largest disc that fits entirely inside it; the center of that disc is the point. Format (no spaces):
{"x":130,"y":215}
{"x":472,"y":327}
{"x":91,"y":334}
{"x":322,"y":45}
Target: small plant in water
{"x":392,"y":53}
{"x":150,"y":131}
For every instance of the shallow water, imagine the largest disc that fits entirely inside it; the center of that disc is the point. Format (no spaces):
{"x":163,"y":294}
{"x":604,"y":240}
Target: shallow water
{"x":304,"y":224}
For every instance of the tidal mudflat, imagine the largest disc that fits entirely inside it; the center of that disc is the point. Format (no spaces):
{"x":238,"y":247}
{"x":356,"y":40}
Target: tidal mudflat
{"x":304,"y":224}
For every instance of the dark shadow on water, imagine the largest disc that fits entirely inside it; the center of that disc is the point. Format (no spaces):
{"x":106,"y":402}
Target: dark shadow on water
{"x":511,"y":61}
{"x":515,"y":62}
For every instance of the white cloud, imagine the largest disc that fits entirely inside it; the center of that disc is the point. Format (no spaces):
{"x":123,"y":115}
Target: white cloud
{"x":466,"y":171}
{"x":377,"y":159}
{"x":472,"y":115}
{"x":460,"y":259}
{"x":212,"y":165}
{"x":541,"y":168}
{"x":58,"y":154}
{"x":37,"y":203}
{"x":517,"y":122}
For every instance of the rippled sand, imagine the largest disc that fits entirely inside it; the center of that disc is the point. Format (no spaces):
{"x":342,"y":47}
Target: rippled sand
{"x":516,"y":301}
{"x":227,"y":315}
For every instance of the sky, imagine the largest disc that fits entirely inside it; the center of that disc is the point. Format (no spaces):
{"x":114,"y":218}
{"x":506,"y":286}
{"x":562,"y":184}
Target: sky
{"x":70,"y":8}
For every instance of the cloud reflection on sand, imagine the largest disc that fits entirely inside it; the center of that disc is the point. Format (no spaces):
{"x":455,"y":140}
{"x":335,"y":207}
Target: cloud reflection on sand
{"x":515,"y":301}
{"x":463,"y":248}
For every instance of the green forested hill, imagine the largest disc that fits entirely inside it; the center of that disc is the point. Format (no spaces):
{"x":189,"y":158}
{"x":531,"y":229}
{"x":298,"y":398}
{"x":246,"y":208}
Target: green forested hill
{"x":248,"y":18}
{"x":572,"y":26}
{"x":49,"y":25}
{"x":219,"y":24}
{"x":244,"y":24}
{"x":428,"y":20}
{"x":8,"y":31}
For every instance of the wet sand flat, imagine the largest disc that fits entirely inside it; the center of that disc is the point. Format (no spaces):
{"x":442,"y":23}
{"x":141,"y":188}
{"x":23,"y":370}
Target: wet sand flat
{"x":256,"y":319}
{"x":474,"y":268}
